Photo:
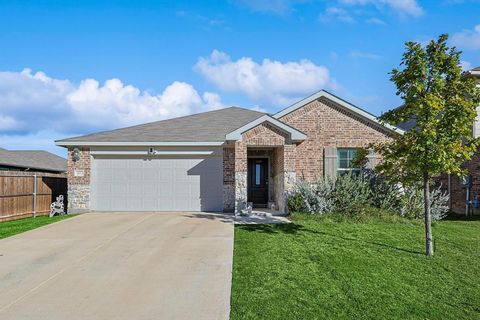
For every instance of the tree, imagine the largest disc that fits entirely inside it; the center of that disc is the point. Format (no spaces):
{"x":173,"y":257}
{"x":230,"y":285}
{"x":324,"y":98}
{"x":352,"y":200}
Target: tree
{"x":441,"y":102}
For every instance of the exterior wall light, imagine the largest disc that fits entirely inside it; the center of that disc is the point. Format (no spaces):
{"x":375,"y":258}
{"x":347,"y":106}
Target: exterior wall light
{"x":76,"y":154}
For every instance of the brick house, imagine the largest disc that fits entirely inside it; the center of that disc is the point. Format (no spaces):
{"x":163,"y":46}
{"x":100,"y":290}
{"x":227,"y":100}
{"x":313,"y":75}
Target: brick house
{"x":456,"y":188}
{"x":461,"y":201}
{"x":218,"y":160}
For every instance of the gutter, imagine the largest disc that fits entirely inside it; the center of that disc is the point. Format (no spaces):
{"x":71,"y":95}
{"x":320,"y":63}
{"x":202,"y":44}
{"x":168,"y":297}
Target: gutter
{"x":62,"y":143}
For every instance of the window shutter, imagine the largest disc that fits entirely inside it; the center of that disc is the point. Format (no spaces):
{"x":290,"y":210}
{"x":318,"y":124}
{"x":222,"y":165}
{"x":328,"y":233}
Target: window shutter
{"x":330,"y":163}
{"x":372,"y":159}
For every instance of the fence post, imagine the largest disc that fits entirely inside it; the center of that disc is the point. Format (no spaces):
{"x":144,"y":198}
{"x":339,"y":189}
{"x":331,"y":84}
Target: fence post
{"x":35,"y":196}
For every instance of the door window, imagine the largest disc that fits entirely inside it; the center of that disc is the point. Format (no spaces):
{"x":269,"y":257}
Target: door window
{"x":257,"y":174}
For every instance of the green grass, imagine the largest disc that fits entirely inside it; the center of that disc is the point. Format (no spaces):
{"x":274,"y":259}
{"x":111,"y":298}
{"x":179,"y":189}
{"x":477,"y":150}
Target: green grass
{"x":321,"y":269}
{"x":10,"y":228}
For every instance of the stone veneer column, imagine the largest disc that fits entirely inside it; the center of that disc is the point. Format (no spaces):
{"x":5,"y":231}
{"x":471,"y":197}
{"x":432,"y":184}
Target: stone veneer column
{"x":79,"y":181}
{"x":289,"y":174}
{"x":240,"y":176}
{"x":228,"y":179}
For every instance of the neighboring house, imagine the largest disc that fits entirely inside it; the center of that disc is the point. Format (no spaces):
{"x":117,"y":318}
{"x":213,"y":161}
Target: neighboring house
{"x":218,"y":160}
{"x":38,"y":161}
{"x":457,"y":189}
{"x":456,"y":186}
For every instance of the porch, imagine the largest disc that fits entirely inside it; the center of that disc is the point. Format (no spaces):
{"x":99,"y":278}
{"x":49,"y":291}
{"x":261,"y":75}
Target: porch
{"x":261,"y":188}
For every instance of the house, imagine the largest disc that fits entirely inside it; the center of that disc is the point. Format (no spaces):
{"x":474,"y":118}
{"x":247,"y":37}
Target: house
{"x":218,"y":160}
{"x":35,"y":161}
{"x":462,"y":193}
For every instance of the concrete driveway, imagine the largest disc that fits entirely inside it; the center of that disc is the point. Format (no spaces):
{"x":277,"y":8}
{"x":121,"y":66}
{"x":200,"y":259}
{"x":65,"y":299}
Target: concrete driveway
{"x":119,"y":266}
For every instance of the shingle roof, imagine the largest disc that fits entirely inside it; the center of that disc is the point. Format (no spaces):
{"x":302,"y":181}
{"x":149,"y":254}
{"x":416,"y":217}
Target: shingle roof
{"x":476,"y":69}
{"x":33,"y":159}
{"x":209,"y":126}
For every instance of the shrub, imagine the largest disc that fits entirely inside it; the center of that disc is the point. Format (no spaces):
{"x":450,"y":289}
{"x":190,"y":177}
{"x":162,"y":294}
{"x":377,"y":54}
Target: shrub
{"x":366,"y":194}
{"x":317,"y":196}
{"x":438,"y":203}
{"x":296,"y":203}
{"x":412,"y":202}
{"x":413,"y":206}
{"x":384,"y":194}
{"x":351,"y":191}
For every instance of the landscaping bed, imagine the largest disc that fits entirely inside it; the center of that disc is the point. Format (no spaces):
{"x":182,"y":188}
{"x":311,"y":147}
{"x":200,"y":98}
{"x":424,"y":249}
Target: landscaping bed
{"x":317,"y":268}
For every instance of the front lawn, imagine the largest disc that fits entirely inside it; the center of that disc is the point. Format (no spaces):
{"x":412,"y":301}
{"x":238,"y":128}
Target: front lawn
{"x":10,"y":228}
{"x":339,"y":270}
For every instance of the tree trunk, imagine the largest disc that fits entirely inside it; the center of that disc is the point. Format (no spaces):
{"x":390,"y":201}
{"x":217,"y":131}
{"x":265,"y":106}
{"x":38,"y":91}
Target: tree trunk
{"x":428,"y":216}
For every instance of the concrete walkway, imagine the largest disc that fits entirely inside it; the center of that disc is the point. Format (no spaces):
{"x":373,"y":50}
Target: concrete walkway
{"x":119,"y":266}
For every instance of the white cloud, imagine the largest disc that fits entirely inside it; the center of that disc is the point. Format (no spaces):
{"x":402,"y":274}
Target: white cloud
{"x":32,"y":102}
{"x":468,"y":39}
{"x":213,"y":101}
{"x":465,"y":65}
{"x":335,"y":13}
{"x":9,"y":123}
{"x":403,"y":7}
{"x":270,"y":81}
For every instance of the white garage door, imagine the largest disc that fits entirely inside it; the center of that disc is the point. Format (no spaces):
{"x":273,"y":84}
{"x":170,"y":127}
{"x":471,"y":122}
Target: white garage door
{"x":159,"y":184}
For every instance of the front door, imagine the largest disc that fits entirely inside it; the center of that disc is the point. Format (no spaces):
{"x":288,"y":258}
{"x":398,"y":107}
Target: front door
{"x":258,"y":181}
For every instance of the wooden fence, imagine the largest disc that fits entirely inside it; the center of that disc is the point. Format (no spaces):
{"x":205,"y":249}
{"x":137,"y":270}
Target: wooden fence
{"x":23,"y":196}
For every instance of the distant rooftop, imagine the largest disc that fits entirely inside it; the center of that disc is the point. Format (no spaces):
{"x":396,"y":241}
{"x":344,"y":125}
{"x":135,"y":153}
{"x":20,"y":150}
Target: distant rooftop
{"x":473,"y":72}
{"x":34,"y":160}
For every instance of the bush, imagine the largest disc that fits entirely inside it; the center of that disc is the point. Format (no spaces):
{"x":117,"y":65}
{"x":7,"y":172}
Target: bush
{"x":351,"y":191}
{"x":296,"y":203}
{"x":413,"y":206}
{"x":412,"y":203}
{"x":384,"y":194}
{"x":366,"y":194}
{"x":317,"y":196}
{"x":438,"y":203}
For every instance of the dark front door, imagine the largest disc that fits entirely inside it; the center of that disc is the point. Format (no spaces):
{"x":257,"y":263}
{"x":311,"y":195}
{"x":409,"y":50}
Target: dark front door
{"x":258,"y":181}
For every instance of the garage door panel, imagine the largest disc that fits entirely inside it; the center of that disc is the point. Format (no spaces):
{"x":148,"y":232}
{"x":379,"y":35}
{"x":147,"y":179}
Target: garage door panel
{"x":183,"y":184}
{"x":115,"y":188}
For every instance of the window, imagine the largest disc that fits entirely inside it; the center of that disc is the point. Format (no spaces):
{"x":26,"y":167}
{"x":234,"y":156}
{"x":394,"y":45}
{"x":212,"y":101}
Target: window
{"x":257,"y":174}
{"x":344,"y":160}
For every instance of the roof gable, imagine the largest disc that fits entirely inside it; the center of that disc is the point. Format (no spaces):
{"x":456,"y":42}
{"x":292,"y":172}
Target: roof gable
{"x":348,"y":106}
{"x":295,"y":134}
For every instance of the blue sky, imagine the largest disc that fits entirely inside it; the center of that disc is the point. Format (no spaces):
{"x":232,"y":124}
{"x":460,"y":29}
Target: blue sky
{"x":73,"y":67}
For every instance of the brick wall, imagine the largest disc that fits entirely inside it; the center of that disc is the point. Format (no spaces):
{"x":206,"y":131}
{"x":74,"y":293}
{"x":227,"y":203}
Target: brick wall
{"x":229,"y":166}
{"x":459,"y":194}
{"x":278,"y":176}
{"x":228,"y":179}
{"x":264,"y":135}
{"x":328,"y":125}
{"x":82,"y":164}
{"x":79,"y":186}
